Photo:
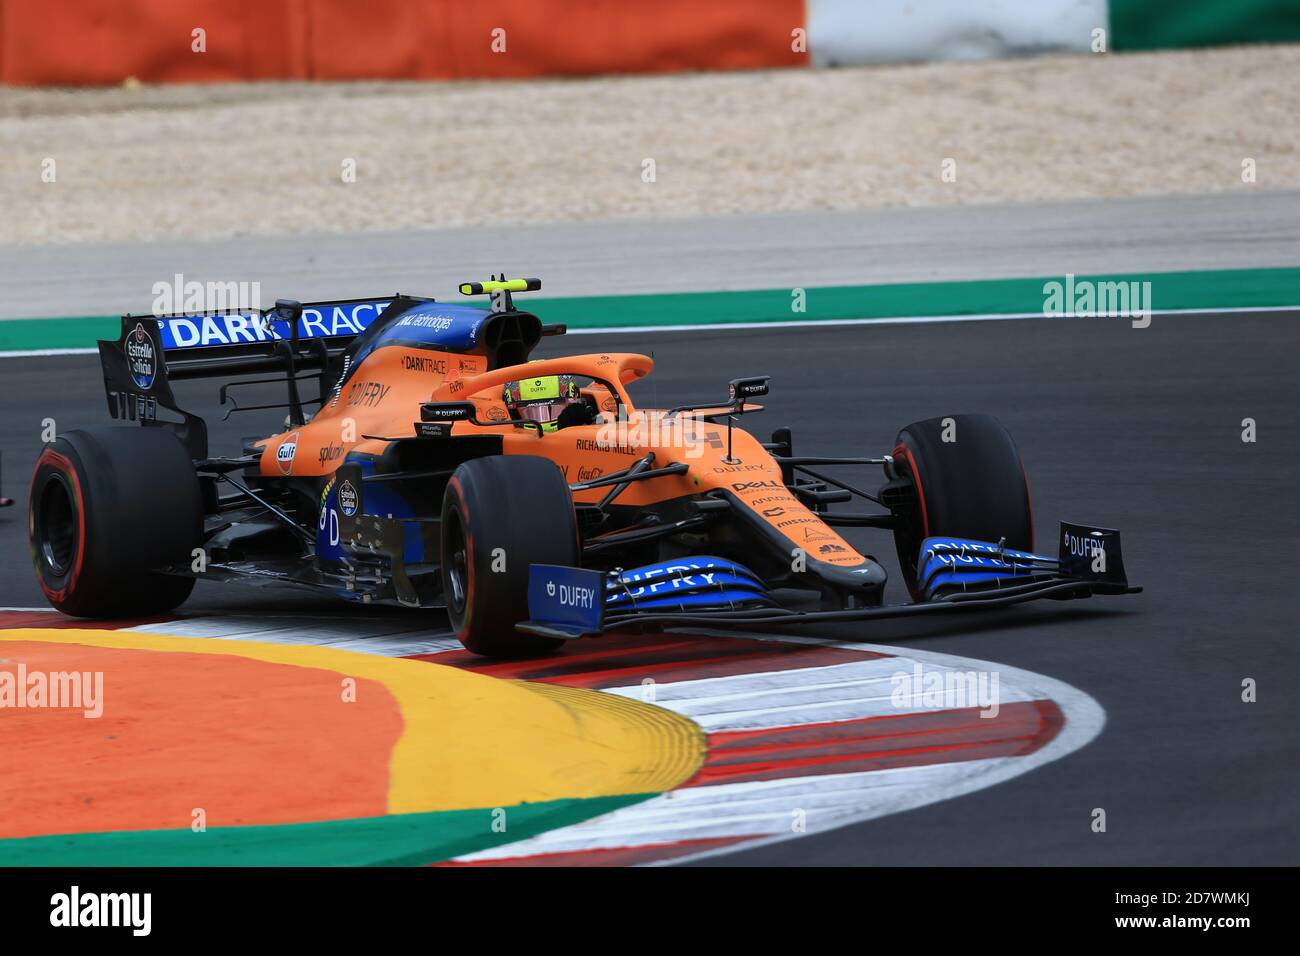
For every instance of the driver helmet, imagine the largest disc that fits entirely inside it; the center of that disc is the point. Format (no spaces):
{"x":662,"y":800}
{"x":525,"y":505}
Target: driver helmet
{"x":541,"y":399}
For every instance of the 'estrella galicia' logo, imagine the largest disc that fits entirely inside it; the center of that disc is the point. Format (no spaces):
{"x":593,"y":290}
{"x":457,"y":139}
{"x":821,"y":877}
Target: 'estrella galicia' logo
{"x":347,"y":499}
{"x":141,"y":357}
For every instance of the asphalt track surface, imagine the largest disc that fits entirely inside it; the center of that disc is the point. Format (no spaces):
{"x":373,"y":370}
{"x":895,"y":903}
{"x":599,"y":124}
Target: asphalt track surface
{"x":1138,"y":429}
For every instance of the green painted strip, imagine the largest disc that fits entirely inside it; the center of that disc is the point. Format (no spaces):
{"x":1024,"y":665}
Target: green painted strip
{"x":1236,"y":288}
{"x":1221,"y":289}
{"x":1170,"y":24}
{"x":410,"y":839}
{"x":74,"y":332}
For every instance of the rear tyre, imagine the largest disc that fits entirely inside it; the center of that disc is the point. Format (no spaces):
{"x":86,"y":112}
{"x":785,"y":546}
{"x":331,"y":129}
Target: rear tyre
{"x":972,"y":486}
{"x":501,"y":514}
{"x":107,"y":507}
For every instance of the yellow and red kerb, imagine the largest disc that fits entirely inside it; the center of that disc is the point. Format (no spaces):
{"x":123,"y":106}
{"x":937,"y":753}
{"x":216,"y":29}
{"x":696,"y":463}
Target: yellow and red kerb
{"x":254,"y":733}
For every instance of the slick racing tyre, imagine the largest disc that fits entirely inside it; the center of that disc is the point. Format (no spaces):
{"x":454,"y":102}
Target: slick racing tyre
{"x":970,"y":486}
{"x":501,"y":514}
{"x":107,"y":507}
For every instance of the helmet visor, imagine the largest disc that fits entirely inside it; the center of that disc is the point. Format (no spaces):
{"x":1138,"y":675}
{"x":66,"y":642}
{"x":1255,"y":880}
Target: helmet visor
{"x":544,"y":412}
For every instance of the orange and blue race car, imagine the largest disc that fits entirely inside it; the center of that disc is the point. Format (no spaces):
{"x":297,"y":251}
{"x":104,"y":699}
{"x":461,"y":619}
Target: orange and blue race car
{"x":436,"y":466}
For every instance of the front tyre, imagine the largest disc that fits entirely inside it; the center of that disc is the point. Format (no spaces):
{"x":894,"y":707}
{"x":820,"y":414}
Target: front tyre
{"x":500,"y":515}
{"x":967,"y":481}
{"x":107,"y":508}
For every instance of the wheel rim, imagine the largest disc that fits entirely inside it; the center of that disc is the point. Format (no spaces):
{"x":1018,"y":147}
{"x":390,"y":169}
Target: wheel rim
{"x":457,"y":567}
{"x":57,"y":527}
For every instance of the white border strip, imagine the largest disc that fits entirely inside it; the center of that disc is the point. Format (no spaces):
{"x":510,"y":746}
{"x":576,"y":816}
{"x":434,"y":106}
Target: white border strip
{"x":41,"y":352}
{"x":910,"y":320}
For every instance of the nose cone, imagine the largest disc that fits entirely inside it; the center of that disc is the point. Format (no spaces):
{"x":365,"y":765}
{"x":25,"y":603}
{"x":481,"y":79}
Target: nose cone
{"x":867,"y":578}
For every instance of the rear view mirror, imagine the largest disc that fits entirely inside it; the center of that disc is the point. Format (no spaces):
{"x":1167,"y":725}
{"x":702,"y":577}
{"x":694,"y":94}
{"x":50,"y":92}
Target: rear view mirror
{"x":740,"y":390}
{"x":288,"y":310}
{"x":446,"y":411}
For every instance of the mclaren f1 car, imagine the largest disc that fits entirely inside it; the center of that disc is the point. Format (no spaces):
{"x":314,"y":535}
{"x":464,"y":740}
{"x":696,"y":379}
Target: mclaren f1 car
{"x":435,"y":466}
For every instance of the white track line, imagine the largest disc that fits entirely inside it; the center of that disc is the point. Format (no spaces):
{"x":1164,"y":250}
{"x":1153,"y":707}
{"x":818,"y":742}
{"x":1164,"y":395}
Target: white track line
{"x":910,"y":320}
{"x":791,"y":324}
{"x":387,"y":638}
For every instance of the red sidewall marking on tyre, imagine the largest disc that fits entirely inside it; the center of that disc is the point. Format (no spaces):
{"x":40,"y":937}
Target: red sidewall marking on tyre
{"x":62,"y":465}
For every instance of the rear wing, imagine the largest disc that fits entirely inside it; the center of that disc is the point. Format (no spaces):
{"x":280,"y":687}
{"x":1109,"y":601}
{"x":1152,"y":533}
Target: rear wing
{"x":153,"y":351}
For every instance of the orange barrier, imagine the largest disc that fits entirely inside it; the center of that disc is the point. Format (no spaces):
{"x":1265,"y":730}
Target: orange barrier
{"x":97,"y":42}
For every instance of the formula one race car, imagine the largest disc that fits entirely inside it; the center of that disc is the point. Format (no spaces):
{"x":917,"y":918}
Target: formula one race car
{"x":533,"y":500}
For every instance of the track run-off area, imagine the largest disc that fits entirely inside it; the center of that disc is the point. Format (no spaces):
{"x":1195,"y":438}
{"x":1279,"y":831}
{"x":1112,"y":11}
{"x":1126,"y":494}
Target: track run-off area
{"x":1130,"y":705}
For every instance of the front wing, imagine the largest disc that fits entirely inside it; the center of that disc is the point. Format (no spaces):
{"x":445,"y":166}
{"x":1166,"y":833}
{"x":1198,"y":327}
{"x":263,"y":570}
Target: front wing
{"x":955,"y":574}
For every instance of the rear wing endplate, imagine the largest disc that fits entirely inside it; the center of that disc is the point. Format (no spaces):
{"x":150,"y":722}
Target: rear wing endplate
{"x":153,"y":351}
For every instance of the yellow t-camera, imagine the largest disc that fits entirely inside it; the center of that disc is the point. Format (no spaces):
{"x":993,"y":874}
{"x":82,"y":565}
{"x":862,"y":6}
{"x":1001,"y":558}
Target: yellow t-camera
{"x":500,"y":285}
